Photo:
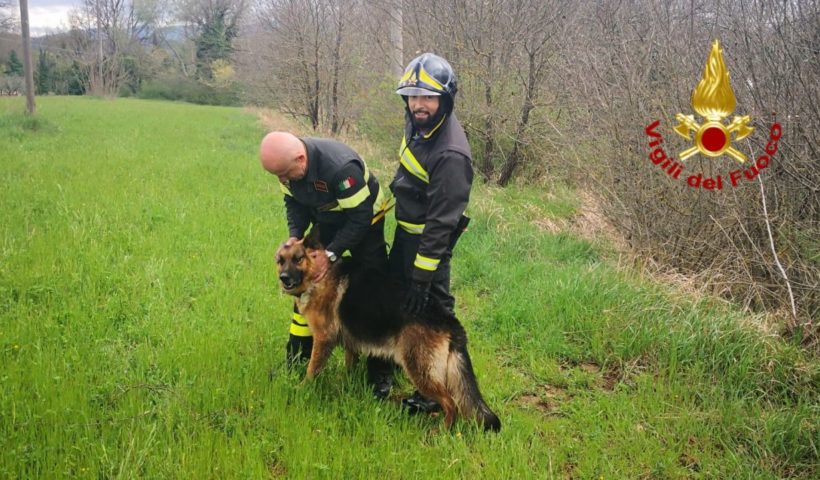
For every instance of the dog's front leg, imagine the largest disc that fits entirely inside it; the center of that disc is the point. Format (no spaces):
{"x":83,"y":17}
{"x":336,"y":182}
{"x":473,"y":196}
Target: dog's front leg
{"x":323,"y":345}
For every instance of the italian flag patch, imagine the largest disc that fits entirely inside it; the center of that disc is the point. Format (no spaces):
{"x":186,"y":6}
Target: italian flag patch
{"x":346,"y":183}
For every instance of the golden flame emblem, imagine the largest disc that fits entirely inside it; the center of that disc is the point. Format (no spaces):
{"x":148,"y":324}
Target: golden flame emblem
{"x":714,"y":100}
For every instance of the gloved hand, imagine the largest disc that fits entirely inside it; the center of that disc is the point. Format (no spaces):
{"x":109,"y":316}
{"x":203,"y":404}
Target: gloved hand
{"x":416,"y":299}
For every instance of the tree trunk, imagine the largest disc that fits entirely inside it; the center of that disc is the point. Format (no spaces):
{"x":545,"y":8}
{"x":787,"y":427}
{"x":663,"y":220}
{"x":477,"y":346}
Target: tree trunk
{"x":97,"y":86}
{"x":487,"y":162}
{"x":306,"y":83}
{"x":314,"y":105}
{"x":487,"y":167}
{"x":526,"y":108}
{"x":30,"y":107}
{"x":337,"y":60}
{"x":396,"y":42}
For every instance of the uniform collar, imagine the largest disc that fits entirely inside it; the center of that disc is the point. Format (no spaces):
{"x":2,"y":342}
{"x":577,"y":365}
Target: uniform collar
{"x":312,"y":173}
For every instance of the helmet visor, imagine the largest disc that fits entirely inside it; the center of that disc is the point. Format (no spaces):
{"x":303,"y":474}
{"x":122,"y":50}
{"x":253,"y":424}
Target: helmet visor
{"x":417,"y":92}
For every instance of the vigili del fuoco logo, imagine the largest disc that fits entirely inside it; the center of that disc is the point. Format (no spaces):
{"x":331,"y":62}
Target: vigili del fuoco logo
{"x":714,"y":100}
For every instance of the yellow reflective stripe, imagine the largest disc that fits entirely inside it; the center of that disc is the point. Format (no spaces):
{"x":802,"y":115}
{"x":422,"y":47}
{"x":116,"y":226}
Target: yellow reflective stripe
{"x":285,"y":189}
{"x":406,"y":76}
{"x":356,"y":199}
{"x":299,"y":327}
{"x":382,"y":205}
{"x":299,"y":330}
{"x":414,"y":228}
{"x":426,"y":263}
{"x":426,"y":78}
{"x":408,"y":160}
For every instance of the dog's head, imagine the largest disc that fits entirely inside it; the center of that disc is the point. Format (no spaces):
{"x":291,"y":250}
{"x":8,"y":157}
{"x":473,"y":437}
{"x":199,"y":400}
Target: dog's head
{"x":297,"y":264}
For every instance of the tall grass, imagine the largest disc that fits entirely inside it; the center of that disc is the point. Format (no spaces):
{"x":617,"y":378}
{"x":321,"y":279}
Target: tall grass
{"x":142,"y":333}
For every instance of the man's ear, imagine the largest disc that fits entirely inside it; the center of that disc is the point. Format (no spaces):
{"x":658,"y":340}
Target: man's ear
{"x":312,"y":239}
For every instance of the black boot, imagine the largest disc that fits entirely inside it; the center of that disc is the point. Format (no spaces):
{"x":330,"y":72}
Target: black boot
{"x":380,"y":377}
{"x":416,"y":403}
{"x":298,"y":350}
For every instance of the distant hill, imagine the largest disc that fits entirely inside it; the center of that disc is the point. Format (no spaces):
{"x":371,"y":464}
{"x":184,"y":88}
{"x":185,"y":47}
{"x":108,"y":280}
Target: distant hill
{"x":60,"y":42}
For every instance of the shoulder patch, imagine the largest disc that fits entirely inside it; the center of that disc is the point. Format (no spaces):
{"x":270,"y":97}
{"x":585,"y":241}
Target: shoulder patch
{"x":346,"y":183}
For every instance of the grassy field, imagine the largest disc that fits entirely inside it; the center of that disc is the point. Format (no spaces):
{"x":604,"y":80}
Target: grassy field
{"x":142,"y":332}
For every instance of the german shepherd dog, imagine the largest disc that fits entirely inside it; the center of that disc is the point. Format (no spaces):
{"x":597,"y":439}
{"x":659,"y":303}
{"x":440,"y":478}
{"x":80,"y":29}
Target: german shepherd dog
{"x":361,"y":309}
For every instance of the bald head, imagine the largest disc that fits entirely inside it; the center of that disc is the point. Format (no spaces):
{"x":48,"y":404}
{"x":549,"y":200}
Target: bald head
{"x":283,"y":155}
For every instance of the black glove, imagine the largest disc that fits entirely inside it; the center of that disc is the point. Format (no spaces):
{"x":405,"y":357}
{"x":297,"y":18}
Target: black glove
{"x":416,"y":299}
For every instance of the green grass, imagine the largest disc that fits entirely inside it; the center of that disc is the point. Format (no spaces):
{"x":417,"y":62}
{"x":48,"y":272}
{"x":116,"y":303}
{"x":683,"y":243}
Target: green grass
{"x":142,"y":333}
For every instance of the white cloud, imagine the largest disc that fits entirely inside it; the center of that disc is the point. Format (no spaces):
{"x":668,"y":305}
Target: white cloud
{"x":44,"y":20}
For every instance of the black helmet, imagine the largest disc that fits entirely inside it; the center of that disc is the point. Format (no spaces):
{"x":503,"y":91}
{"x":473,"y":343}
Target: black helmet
{"x":428,"y":74}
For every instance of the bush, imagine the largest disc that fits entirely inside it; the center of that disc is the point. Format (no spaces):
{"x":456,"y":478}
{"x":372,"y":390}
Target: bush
{"x":189,"y":90}
{"x":721,"y":236}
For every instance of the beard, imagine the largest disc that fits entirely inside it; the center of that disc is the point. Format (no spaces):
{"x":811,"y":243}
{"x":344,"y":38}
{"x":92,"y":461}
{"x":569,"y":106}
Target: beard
{"x":426,"y":121}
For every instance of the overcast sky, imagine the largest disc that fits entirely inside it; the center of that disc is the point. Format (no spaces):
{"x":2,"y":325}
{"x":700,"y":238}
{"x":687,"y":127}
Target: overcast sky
{"x":49,"y":15}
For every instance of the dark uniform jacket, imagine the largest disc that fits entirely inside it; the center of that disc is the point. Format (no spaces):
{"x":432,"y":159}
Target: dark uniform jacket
{"x":432,"y":188}
{"x":337,"y":190}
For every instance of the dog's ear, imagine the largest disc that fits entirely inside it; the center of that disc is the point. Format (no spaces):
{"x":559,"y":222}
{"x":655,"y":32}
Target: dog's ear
{"x":287,"y":244}
{"x":312,"y":239}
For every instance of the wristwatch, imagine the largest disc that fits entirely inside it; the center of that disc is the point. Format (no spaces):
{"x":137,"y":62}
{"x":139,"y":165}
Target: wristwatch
{"x":331,"y":256}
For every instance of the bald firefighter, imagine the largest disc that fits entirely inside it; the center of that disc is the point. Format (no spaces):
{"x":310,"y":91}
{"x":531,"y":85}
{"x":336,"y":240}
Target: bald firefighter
{"x":326,"y":183}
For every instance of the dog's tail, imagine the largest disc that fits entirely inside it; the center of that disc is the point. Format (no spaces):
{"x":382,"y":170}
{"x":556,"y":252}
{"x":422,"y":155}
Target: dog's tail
{"x":462,"y":384}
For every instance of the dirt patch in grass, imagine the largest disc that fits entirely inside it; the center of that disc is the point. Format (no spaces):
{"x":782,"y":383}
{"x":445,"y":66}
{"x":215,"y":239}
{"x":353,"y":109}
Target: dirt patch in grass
{"x":590,"y":367}
{"x":547,"y":399}
{"x":550,"y":225}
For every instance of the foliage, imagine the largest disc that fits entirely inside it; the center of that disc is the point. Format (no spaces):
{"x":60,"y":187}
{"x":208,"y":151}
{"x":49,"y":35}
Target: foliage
{"x":14,"y":67}
{"x":222,"y":73}
{"x":214,"y":43}
{"x":72,"y":79}
{"x":189,"y":90}
{"x":44,"y":74}
{"x":626,"y":76}
{"x":11,"y":85}
{"x":55,"y":74}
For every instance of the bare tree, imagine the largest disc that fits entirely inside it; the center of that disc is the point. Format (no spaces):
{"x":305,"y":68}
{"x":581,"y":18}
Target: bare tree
{"x":312,"y":59}
{"x":294,"y":38}
{"x":117,"y":29}
{"x":502,"y":52}
{"x":625,"y":72}
{"x":539,"y":23}
{"x":485,"y":70}
{"x":340,"y":16}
